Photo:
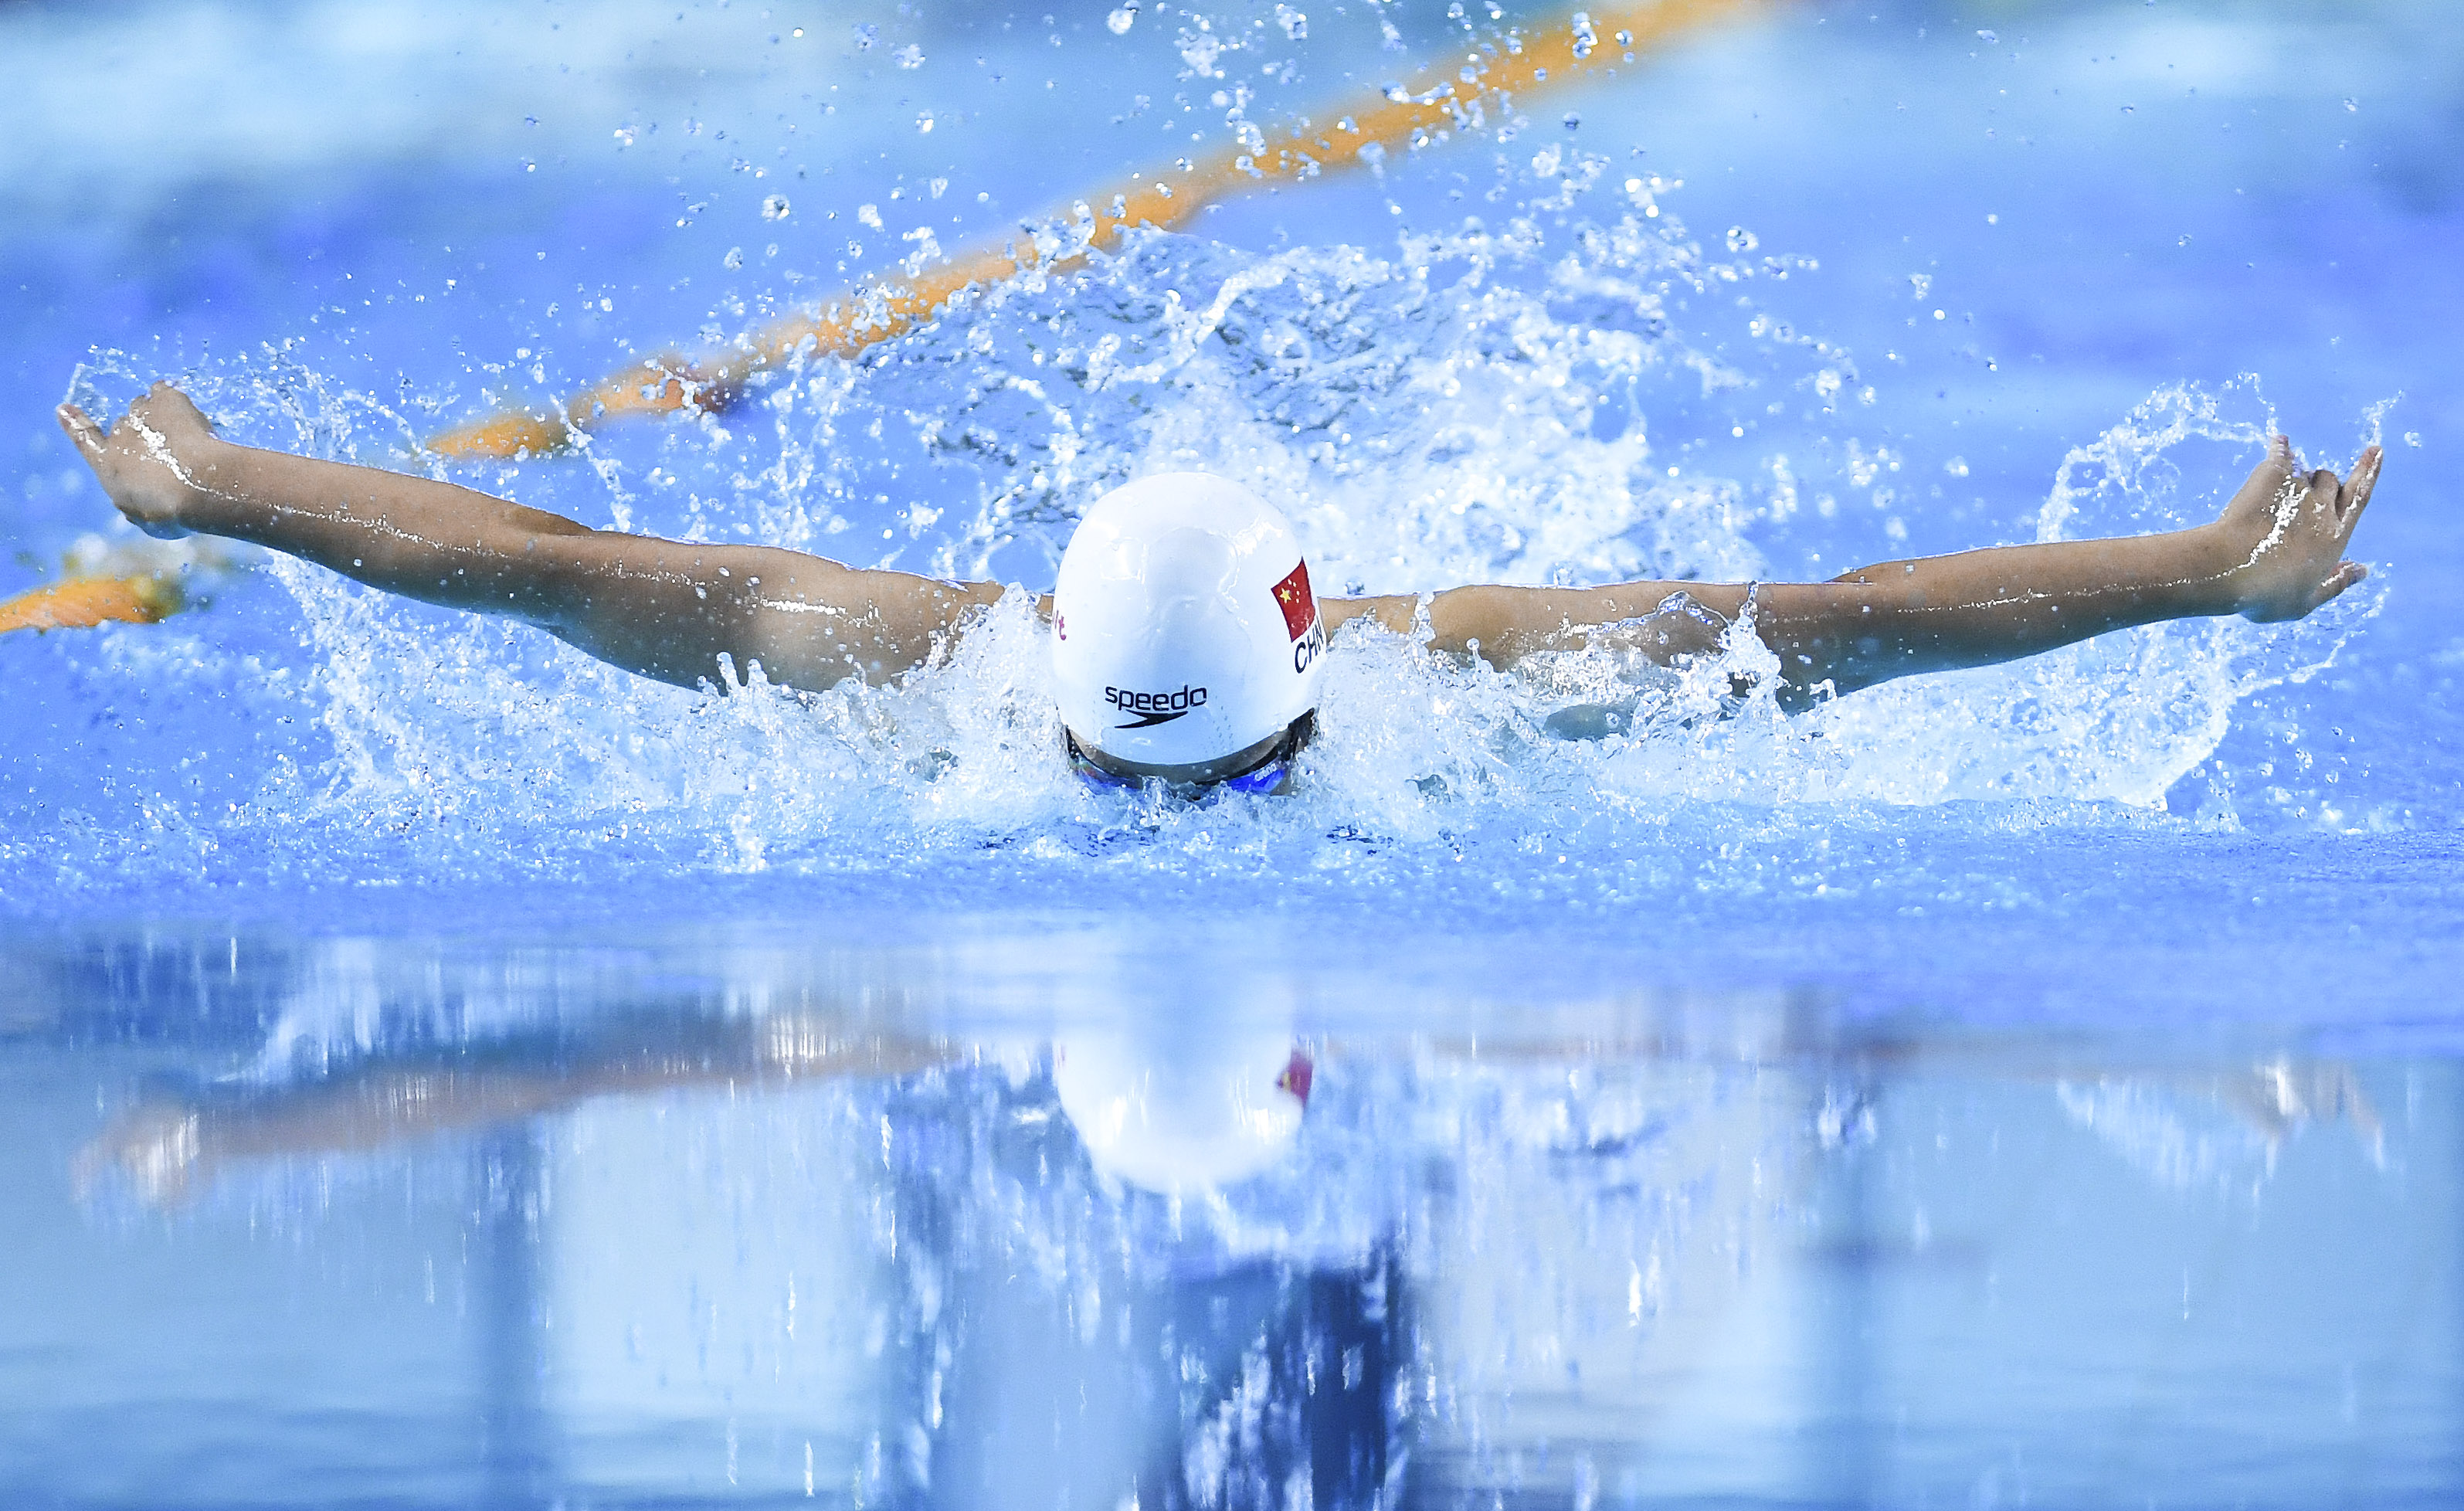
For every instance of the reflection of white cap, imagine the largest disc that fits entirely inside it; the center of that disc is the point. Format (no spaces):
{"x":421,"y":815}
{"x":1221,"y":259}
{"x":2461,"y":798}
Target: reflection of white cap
{"x":1185,"y":637}
{"x":1182,"y":1112}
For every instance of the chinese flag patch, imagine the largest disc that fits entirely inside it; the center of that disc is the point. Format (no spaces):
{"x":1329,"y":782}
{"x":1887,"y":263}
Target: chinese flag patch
{"x":1299,"y":605}
{"x":1296,"y":1077}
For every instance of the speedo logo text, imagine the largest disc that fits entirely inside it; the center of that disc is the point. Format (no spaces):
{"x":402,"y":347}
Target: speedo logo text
{"x":1150,"y":709}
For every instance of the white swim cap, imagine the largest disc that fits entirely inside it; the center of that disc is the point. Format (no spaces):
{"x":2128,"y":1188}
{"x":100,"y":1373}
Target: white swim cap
{"x":1185,"y":636}
{"x":1182,"y":1112}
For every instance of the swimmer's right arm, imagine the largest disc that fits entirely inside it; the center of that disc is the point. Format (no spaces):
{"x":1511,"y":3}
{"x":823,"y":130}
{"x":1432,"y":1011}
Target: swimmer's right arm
{"x":167,"y":1148}
{"x":666,"y":610}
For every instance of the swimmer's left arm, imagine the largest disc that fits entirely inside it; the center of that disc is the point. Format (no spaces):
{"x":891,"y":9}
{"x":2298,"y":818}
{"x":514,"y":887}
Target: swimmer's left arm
{"x":2275,"y":553}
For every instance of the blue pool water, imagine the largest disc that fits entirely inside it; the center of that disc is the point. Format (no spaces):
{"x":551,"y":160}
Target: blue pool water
{"x":2032,"y":1084}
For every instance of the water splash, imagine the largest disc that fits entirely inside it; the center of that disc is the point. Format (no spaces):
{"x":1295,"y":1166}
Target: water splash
{"x":1482,"y":404}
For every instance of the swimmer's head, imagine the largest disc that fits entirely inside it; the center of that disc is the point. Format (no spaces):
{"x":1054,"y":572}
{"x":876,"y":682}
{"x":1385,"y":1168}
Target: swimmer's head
{"x":1185,"y":637}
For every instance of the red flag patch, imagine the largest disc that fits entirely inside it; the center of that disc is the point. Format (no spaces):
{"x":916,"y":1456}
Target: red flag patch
{"x":1297,"y":1075}
{"x":1299,"y":605}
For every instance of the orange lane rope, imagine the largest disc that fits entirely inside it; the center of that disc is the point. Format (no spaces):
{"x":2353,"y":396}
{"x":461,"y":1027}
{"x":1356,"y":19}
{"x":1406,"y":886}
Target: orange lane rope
{"x":105,"y":582}
{"x":1462,"y":96}
{"x":84,"y":602}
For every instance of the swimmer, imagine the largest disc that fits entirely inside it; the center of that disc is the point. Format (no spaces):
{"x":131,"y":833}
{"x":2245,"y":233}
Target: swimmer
{"x":1186,"y":636}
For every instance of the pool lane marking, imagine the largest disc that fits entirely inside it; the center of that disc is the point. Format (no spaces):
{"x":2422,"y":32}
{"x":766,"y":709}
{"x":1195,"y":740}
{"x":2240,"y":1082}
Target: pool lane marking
{"x":1545,"y":61}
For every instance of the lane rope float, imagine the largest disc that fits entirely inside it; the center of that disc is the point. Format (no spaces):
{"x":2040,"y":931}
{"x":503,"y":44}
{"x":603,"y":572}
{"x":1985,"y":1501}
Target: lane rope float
{"x":1576,"y":49}
{"x":124,"y":582}
{"x":84,"y":602}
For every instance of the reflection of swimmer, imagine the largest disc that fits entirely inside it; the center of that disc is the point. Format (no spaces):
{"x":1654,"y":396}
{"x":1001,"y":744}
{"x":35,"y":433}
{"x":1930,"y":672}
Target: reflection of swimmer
{"x":1546,"y":1263}
{"x":1179,"y":1105}
{"x":1185,"y":632}
{"x":1021,"y":1206}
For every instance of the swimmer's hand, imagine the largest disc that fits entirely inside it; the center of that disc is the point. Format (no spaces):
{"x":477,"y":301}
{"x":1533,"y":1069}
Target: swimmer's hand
{"x":2282,"y":538}
{"x":149,"y":462}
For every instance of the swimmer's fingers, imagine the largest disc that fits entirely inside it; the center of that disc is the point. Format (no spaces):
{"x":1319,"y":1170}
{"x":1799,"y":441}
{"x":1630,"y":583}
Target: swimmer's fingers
{"x":172,"y":412}
{"x":164,"y":410}
{"x":144,"y":463}
{"x":2345,"y":574}
{"x":2263,"y":491}
{"x":2321,"y":497}
{"x":2279,"y":464}
{"x":2350,"y":499}
{"x":2355,"y":495}
{"x":84,"y":433}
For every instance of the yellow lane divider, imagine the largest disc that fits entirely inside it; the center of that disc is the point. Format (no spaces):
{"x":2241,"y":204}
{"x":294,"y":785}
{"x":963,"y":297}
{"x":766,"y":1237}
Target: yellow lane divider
{"x":1462,"y":95}
{"x":88,"y":602}
{"x":126,"y":582}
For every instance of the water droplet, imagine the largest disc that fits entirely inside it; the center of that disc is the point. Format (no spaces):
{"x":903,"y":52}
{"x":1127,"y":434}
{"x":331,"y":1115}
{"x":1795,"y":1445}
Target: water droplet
{"x":1121,"y":20}
{"x":1573,"y":120}
{"x":1199,"y":50}
{"x":924,"y":121}
{"x":2412,"y":438}
{"x":2185,"y":241}
{"x":734,"y":259}
{"x":1741,"y":239}
{"x":910,"y":56}
{"x":1922,"y":282}
{"x":2130,"y":110}
{"x":869,"y":214}
{"x":775,"y":208}
{"x":865,"y":35}
{"x":1295,"y":23}
{"x":1988,"y":38}
{"x":624,"y":138}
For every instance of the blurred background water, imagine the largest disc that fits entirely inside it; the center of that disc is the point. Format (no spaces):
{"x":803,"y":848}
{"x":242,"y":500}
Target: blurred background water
{"x":2026,"y":1084}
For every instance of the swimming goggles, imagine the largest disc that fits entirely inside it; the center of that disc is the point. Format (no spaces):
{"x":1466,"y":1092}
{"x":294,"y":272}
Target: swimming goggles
{"x":1270,"y":773}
